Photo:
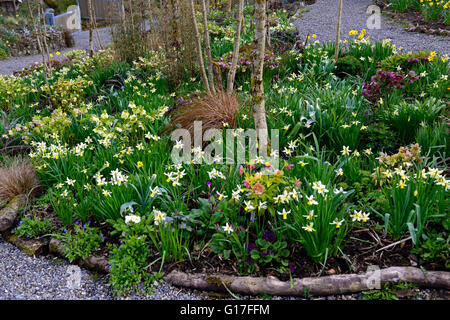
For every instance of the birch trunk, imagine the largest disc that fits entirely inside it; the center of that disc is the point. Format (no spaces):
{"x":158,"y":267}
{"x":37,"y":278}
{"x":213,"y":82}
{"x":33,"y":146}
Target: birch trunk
{"x":316,"y":286}
{"x":38,"y":39}
{"x":199,"y":48}
{"x":91,"y":37}
{"x":338,"y":31}
{"x":229,"y":7}
{"x":237,"y":41}
{"x":208,"y":47}
{"x":257,"y":84}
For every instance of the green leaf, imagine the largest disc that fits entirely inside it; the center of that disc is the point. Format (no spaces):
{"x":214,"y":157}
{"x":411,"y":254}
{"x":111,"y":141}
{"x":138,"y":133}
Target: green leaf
{"x":386,"y":222}
{"x":412,"y":232}
{"x":127,"y":205}
{"x":267,"y":259}
{"x":255,"y":254}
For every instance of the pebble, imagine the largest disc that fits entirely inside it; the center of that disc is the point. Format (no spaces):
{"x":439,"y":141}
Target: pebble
{"x":28,"y":278}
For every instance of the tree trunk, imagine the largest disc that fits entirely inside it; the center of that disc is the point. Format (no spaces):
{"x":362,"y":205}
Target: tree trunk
{"x":229,"y":7}
{"x":338,"y":31}
{"x":208,"y":47}
{"x":257,"y":84}
{"x":237,"y":41}
{"x":268,"y":40}
{"x":91,"y":38}
{"x":316,"y":286}
{"x":199,"y":48}
{"x":38,"y":39}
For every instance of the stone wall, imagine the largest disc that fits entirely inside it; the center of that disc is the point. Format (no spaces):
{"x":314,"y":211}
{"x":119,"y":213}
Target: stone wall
{"x":28,"y":45}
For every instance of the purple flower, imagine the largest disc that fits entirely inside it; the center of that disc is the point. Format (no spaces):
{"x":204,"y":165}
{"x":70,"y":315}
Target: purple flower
{"x":269,"y":236}
{"x":251,"y":247}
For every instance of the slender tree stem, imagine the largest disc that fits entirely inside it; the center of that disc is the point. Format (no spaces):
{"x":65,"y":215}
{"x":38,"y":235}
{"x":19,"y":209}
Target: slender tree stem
{"x":338,"y":31}
{"x":199,"y":48}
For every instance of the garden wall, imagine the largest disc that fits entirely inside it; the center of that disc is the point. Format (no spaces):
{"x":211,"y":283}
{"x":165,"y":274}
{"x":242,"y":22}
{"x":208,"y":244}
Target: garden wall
{"x":28,"y":45}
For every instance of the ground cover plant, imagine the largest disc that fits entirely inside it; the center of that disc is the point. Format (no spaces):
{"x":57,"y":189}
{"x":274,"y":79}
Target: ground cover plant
{"x":362,"y":153}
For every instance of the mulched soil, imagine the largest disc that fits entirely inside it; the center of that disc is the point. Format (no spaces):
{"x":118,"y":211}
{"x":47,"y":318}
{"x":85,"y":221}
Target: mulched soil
{"x":364,"y":247}
{"x":360,"y":253}
{"x":416,"y":22}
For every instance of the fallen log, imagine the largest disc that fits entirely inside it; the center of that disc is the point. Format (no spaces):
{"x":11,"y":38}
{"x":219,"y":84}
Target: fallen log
{"x":92,"y":262}
{"x":31,"y":247}
{"x":9,"y":213}
{"x":318,"y":286}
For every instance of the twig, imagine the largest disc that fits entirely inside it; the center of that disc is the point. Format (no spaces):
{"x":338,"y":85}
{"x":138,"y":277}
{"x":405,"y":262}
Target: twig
{"x":394,"y":244}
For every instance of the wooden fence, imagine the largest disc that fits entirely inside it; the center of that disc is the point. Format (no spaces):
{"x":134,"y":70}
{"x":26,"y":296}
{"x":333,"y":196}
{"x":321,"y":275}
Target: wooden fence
{"x":8,"y":6}
{"x":103,"y":9}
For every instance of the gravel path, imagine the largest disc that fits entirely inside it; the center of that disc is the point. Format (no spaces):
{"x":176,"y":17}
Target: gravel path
{"x":321,"y":20}
{"x":11,"y":64}
{"x":26,"y":278}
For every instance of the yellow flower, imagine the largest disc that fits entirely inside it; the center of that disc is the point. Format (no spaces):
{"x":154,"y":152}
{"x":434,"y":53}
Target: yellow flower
{"x":337,"y":223}
{"x":284,"y":213}
{"x":309,"y":227}
{"x":345,"y":150}
{"x":140,"y":164}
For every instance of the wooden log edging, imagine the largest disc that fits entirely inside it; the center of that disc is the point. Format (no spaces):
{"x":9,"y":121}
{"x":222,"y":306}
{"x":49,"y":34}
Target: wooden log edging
{"x":318,"y":286}
{"x":42,"y":246}
{"x":9,"y":213}
{"x":91,"y":262}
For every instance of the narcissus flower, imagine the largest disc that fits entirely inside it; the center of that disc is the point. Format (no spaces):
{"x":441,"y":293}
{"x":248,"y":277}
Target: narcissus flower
{"x":345,"y":150}
{"x":337,"y":223}
{"x":227,"y":228}
{"x":284,"y":213}
{"x":159,"y":216}
{"x":311,"y":200}
{"x":309,"y":227}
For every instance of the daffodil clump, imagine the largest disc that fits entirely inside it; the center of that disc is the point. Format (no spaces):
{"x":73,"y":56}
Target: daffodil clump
{"x":415,"y":193}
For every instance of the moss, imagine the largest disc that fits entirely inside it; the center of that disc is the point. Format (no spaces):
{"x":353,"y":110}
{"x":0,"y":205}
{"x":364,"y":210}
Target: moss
{"x":348,"y":65}
{"x":218,"y":282}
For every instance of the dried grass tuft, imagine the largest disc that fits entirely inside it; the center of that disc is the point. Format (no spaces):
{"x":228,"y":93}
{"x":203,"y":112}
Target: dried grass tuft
{"x":213,"y":111}
{"x":18,"y":178}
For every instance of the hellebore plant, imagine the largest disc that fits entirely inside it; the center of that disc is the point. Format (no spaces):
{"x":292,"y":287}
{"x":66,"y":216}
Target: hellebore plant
{"x":383,"y":83}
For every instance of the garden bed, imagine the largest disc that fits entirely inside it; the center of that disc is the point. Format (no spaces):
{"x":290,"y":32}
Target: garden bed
{"x":361,"y":179}
{"x":216,"y":275}
{"x":415,"y":21}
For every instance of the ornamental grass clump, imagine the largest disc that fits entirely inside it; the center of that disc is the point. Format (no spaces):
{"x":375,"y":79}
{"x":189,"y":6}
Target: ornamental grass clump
{"x":214,"y":111}
{"x":17,"y":178}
